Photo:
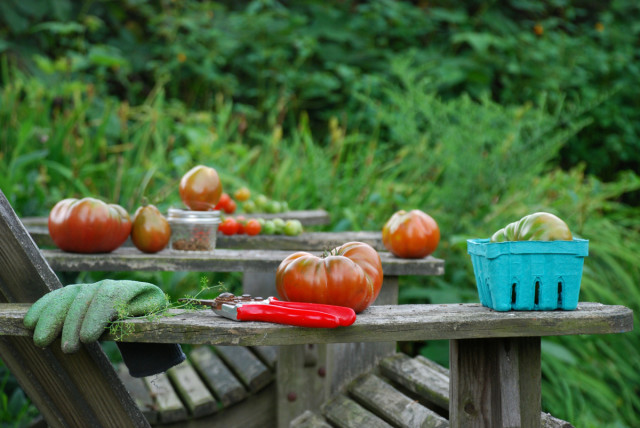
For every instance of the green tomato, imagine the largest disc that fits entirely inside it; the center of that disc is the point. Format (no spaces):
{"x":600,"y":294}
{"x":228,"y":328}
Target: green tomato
{"x":273,"y":207}
{"x":284,"y":206}
{"x":535,"y":227}
{"x":293,"y":228}
{"x":279,"y":225}
{"x":249,"y":207}
{"x":268,"y":228}
{"x":261,"y":202}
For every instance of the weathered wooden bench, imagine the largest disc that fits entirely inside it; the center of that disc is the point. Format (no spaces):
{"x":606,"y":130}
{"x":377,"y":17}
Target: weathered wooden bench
{"x":494,"y":377}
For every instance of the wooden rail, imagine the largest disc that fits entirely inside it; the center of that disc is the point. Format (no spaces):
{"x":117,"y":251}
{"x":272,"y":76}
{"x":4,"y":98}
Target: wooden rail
{"x":376,"y":324}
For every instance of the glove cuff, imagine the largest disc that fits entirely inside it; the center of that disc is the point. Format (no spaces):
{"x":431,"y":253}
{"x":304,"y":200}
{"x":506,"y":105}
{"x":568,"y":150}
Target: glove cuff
{"x":147,"y":359}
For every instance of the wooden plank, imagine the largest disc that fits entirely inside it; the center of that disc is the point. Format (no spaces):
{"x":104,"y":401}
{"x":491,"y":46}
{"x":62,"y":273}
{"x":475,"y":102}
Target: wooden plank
{"x":259,"y":410}
{"x":346,"y":413}
{"x":392,"y":405}
{"x":246,"y":366}
{"x":318,"y":241}
{"x":309,"y":420}
{"x":140,"y":393}
{"x":430,"y":385}
{"x":495,"y":382}
{"x":75,"y":390}
{"x":193,"y":392}
{"x":301,"y":382}
{"x":268,"y":355}
{"x":375,"y":324}
{"x":221,"y":260}
{"x":217,"y":376}
{"x":170,"y":408}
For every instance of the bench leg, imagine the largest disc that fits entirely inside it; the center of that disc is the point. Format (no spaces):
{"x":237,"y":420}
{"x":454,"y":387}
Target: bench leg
{"x":495,"y":382}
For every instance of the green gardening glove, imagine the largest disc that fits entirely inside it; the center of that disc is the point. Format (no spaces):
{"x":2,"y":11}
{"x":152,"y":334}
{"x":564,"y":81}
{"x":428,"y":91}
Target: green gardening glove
{"x":83,"y":311}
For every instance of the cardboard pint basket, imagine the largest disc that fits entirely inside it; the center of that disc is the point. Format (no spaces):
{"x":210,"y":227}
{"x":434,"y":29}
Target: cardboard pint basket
{"x":528,"y":275}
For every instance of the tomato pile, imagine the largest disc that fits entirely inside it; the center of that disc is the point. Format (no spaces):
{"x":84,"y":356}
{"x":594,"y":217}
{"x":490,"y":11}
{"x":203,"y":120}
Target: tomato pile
{"x":90,"y":225}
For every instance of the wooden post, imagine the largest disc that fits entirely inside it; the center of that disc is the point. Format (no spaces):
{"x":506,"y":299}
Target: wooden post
{"x":495,"y":382}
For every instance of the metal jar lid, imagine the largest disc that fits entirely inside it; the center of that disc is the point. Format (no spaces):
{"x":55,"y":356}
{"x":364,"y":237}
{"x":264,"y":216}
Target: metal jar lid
{"x":176,"y":215}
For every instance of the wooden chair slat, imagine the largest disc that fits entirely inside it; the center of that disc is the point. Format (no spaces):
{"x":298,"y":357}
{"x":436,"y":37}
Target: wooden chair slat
{"x":392,"y":405}
{"x":226,"y":387}
{"x":246,"y":366}
{"x":192,"y":390}
{"x":309,"y":419}
{"x":432,"y":386}
{"x":170,"y":407}
{"x":267,"y":354}
{"x":343,"y":412}
{"x":140,"y":393}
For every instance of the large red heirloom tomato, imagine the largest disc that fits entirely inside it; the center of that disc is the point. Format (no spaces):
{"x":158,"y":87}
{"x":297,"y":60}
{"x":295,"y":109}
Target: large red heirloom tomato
{"x":411,"y":235}
{"x":88,"y":225}
{"x":200,"y":188}
{"x":350,"y":275}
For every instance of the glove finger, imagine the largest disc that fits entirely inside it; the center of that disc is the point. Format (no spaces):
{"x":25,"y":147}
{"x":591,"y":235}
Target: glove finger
{"x":115,"y":299}
{"x":75,"y":316}
{"x":51,"y":317}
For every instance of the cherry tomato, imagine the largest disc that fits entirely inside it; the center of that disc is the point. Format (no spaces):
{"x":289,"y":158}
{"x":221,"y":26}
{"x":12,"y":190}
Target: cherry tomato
{"x":242,"y":194}
{"x":200,"y":188}
{"x":151,"y":231}
{"x":412,"y":234}
{"x":229,"y":226}
{"x":223,"y":202}
{"x":241,"y":225}
{"x":88,"y":225}
{"x":253,"y":227}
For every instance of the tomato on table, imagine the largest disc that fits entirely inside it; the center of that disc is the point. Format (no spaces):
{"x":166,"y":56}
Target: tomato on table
{"x":350,"y":275}
{"x":229,"y":226}
{"x":413,"y":234}
{"x":252,"y":227}
{"x":150,"y":232}
{"x":88,"y":225}
{"x":200,"y":188}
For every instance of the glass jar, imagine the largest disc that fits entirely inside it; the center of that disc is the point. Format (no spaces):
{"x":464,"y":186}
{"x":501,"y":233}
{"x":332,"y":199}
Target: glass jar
{"x":193,"y":231}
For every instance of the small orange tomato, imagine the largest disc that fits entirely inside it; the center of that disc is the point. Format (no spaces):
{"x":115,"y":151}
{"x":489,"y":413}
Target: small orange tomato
{"x":411,"y":235}
{"x":151,"y":231}
{"x":200,"y":188}
{"x":242,"y":194}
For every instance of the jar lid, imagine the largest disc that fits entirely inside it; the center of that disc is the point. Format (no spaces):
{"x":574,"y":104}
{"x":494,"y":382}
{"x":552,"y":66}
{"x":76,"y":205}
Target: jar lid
{"x":177,"y":215}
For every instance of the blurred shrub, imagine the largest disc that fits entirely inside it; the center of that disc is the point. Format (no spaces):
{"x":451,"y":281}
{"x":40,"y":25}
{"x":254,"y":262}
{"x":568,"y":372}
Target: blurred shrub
{"x":278,"y":59}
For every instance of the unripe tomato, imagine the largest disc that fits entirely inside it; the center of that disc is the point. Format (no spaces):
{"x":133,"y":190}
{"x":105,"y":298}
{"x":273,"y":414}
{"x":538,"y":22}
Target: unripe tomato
{"x":88,"y":225}
{"x":200,"y":188}
{"x":411,"y":235}
{"x":151,"y":231}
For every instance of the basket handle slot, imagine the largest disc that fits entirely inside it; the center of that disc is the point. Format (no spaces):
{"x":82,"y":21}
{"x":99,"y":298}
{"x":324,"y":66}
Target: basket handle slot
{"x":560,"y":292}
{"x":536,"y":299}
{"x":513,"y":293}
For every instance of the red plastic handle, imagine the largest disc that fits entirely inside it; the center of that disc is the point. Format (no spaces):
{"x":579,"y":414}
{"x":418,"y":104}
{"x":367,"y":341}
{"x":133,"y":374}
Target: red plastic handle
{"x":289,"y":316}
{"x":347,"y":316}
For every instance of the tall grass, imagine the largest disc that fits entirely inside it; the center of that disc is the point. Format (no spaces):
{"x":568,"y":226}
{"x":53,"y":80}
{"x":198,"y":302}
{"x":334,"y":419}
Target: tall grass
{"x":473,"y":165}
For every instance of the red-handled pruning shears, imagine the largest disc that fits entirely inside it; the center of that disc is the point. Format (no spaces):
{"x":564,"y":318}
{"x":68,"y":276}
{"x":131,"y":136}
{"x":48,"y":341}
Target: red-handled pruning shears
{"x":246,"y":308}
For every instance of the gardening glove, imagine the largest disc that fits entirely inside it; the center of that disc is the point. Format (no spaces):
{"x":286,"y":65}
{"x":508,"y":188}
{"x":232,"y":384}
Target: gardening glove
{"x":83,"y":311}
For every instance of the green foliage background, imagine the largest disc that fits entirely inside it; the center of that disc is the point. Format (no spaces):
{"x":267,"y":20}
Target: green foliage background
{"x":476,"y":112}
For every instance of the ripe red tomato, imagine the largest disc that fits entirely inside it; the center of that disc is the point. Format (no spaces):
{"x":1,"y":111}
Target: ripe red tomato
{"x":411,"y":235}
{"x":350,"y":275}
{"x":226,"y":204}
{"x":252,"y":227}
{"x":229,"y":226}
{"x":88,"y":225}
{"x":241,"y":223}
{"x":200,"y":188}
{"x":150,"y":232}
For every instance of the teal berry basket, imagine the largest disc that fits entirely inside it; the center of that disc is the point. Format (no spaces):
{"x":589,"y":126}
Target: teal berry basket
{"x":528,"y":275}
